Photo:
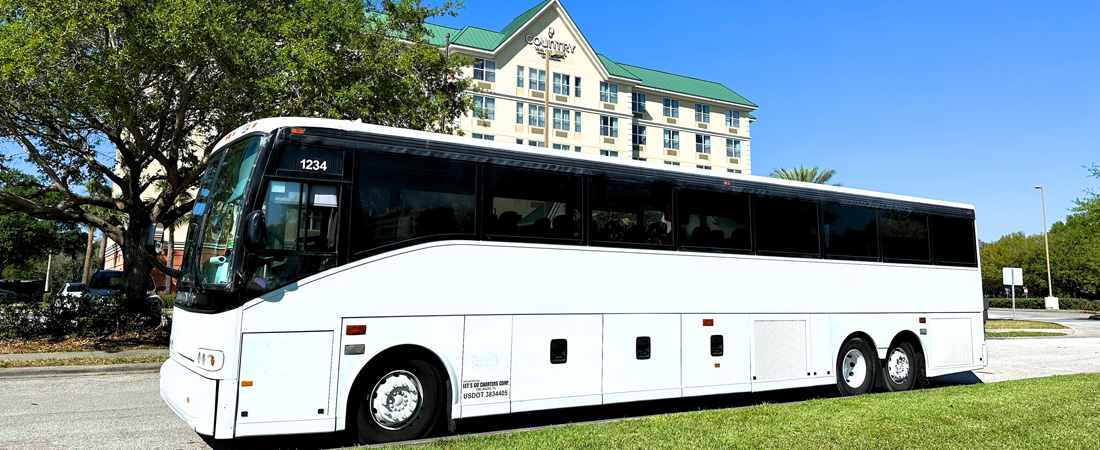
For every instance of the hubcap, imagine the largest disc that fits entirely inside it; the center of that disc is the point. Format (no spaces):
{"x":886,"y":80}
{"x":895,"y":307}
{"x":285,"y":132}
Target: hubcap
{"x":854,"y":367}
{"x":898,"y":365}
{"x":396,"y":400}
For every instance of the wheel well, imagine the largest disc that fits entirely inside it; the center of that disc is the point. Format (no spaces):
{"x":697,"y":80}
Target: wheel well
{"x":913,"y":340}
{"x":857,"y":334}
{"x":389,"y":356}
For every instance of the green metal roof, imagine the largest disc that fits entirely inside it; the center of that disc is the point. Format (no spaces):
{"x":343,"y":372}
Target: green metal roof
{"x":487,"y":40}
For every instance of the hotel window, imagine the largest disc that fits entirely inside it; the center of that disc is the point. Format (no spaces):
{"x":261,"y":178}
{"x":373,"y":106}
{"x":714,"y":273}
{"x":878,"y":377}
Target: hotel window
{"x":609,"y":92}
{"x":536,"y":80}
{"x":702,"y":144}
{"x":576,"y":86}
{"x":609,"y":126}
{"x":519,"y":76}
{"x":561,"y":84}
{"x":536,"y":143}
{"x":703,"y":167}
{"x":485,"y":70}
{"x":577,"y":123}
{"x":672,"y":108}
{"x":487,"y":137}
{"x":485,"y":107}
{"x":536,"y":116}
{"x":733,"y":170}
{"x":519,"y":141}
{"x":519,"y":113}
{"x":672,"y":139}
{"x":637,"y":133}
{"x":637,"y":102}
{"x":611,"y":153}
{"x":733,"y":118}
{"x":672,"y":163}
{"x":561,"y":119}
{"x":702,"y":113}
{"x":733,"y":148}
{"x":561,"y":147}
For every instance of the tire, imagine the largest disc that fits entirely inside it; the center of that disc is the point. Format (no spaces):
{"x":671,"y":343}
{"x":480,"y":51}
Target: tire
{"x":856,"y":366}
{"x":899,"y":373}
{"x":413,"y":390}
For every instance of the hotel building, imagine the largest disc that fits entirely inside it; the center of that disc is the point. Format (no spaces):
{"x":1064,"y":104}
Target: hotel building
{"x":538,"y":82}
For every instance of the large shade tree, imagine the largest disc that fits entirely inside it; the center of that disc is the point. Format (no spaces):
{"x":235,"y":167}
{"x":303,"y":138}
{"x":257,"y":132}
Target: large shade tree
{"x":137,"y":92}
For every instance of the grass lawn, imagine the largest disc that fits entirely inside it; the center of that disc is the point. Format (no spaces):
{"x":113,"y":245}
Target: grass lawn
{"x":113,"y":342}
{"x":81,"y":361}
{"x":1021,"y":325}
{"x":1004,"y":334}
{"x":1061,"y":412}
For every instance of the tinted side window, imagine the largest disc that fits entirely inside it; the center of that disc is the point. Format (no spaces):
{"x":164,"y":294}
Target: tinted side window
{"x":631,"y":212}
{"x":953,"y":241}
{"x":404,"y":197}
{"x":711,"y":219}
{"x":786,"y":226}
{"x":905,"y":236}
{"x":532,"y":204}
{"x":850,"y":232}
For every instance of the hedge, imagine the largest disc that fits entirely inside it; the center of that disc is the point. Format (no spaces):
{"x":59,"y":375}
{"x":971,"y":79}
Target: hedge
{"x":35,"y":315}
{"x":1038,"y":303}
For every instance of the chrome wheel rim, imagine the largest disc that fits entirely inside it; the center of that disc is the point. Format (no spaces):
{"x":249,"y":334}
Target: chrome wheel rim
{"x":898,"y":366}
{"x":396,"y":400}
{"x":854,"y":366}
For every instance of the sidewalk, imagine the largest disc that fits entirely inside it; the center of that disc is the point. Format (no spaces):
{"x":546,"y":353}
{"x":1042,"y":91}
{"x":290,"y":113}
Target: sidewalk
{"x":57,"y":371}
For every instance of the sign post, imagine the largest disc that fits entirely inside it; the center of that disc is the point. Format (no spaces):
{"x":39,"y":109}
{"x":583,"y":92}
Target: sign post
{"x":1013,"y":276}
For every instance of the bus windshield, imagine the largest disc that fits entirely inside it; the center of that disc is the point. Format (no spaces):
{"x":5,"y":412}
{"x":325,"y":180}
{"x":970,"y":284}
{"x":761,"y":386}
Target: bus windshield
{"x":216,"y":214}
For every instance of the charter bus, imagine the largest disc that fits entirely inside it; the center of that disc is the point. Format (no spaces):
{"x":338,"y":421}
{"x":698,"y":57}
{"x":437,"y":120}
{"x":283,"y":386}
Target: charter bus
{"x":345,"y":276}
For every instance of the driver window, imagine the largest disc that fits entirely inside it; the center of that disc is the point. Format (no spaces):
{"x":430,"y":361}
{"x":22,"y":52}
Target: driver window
{"x":301,"y":230}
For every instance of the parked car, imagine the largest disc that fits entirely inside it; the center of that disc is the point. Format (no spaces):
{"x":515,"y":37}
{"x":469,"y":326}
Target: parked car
{"x":107,"y":283}
{"x":72,"y":290}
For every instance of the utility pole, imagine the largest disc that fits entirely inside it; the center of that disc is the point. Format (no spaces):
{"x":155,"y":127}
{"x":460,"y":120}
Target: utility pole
{"x":1051,"y":300}
{"x":49,"y":262}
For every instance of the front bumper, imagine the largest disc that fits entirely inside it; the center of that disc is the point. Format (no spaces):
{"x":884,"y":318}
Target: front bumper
{"x":191,"y":396}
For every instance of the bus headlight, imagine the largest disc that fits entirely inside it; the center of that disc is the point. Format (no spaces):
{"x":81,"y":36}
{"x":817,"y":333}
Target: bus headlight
{"x":209,"y":359}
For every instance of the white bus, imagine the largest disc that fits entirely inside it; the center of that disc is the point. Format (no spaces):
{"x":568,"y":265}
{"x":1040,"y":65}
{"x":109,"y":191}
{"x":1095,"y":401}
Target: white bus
{"x":342,"y":276}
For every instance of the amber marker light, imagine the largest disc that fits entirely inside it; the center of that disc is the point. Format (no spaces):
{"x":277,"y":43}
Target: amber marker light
{"x":923,"y":320}
{"x":708,"y":322}
{"x":353,"y":330}
{"x":298,"y":130}
{"x":246,"y":383}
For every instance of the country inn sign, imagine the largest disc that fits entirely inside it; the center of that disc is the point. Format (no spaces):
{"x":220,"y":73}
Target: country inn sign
{"x":549,"y":44}
{"x":589,"y":103}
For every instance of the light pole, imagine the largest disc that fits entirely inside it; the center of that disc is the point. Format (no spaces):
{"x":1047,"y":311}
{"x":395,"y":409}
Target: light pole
{"x":556,"y":55}
{"x":1050,"y":286}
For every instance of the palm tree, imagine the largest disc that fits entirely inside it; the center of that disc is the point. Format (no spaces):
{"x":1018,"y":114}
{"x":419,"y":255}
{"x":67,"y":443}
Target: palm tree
{"x":803,"y":174}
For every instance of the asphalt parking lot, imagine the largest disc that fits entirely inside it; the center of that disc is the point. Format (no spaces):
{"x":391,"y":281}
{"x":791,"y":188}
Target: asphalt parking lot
{"x":125,"y":410}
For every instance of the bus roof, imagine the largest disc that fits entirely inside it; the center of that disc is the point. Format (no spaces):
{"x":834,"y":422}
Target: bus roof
{"x":271,"y":124}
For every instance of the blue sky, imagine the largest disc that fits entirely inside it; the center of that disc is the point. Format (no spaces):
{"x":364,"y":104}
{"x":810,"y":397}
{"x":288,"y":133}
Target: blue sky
{"x":973,"y":101}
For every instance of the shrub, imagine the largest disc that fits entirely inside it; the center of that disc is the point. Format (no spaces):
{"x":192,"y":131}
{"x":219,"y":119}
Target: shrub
{"x":1038,"y":303}
{"x":167,"y":301}
{"x":29,"y":316}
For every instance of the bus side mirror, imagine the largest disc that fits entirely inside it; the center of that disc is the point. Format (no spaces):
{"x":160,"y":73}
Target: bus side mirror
{"x":152,"y":247}
{"x":255,"y":231}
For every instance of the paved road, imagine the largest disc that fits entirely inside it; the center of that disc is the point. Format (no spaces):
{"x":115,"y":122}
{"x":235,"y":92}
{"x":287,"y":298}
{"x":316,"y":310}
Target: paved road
{"x":125,"y":411}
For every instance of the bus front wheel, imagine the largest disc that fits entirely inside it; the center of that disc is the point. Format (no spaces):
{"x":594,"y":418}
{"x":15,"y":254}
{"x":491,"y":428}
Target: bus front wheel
{"x":855,"y":368}
{"x":403,"y":403}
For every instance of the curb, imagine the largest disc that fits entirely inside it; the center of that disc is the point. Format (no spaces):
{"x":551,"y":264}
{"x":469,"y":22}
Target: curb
{"x":61,"y":371}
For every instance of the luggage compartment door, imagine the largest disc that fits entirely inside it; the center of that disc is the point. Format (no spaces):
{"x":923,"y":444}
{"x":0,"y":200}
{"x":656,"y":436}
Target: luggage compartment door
{"x":285,"y":383}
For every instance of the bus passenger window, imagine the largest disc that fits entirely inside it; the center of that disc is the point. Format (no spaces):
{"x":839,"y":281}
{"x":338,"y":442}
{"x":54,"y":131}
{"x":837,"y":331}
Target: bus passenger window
{"x":402,"y":197}
{"x":717,"y":220}
{"x":953,"y":241}
{"x":850,"y":232}
{"x":905,"y":237}
{"x":532,"y":204}
{"x":786,"y":226}
{"x":631,"y":212}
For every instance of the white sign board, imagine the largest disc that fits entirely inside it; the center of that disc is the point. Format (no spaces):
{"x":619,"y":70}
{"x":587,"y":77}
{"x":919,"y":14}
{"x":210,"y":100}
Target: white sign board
{"x":1013,"y":276}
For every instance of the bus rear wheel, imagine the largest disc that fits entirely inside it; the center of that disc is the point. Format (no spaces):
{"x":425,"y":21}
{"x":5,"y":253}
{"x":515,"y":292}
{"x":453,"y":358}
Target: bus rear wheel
{"x":900,"y":371}
{"x":403,"y":403}
{"x":855,"y":367}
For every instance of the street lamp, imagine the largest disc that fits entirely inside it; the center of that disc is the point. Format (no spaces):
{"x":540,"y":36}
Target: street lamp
{"x":1051,"y":300}
{"x":556,"y":55}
